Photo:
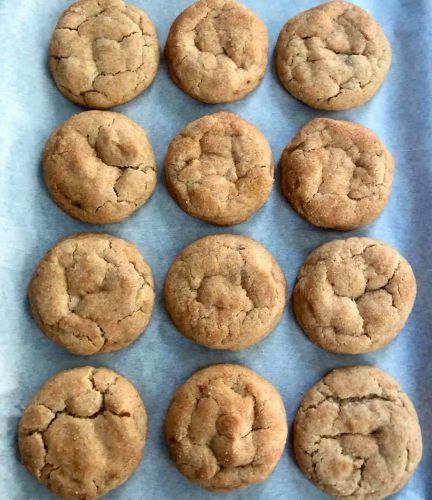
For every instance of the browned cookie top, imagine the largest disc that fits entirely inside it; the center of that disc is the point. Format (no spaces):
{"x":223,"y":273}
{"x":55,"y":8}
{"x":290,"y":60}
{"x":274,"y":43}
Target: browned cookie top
{"x":357,"y":435}
{"x":83,"y":434}
{"x":226,"y":428}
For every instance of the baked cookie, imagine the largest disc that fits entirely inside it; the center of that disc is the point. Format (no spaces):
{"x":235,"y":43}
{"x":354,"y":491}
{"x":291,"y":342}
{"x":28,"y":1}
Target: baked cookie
{"x":220,"y":169}
{"x":92,"y":293}
{"x":354,"y":296}
{"x":334,"y":56}
{"x":225,"y":292}
{"x":357,"y":435}
{"x":217,"y":50}
{"x":83,"y":434}
{"x":226,"y":428}
{"x":337,"y":174}
{"x":103,"y":53}
{"x":99,"y":167}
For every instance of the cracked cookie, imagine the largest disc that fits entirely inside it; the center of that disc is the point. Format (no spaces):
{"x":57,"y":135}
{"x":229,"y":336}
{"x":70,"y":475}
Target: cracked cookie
{"x":336,"y":174}
{"x":225,"y":292}
{"x":226,"y":428}
{"x":357,"y":435}
{"x":217,"y":51}
{"x":354,"y":296}
{"x":220,"y":169}
{"x":99,"y":167}
{"x":92,"y":293}
{"x":334,"y":56}
{"x":84,"y":432}
{"x":103,"y":53}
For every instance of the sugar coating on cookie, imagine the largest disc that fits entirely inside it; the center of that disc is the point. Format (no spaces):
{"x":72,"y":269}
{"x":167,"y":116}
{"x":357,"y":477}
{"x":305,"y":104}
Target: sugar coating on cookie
{"x":92,"y":293}
{"x":354,"y":296}
{"x":225,"y":292}
{"x":217,"y":50}
{"x":334,"y":56}
{"x":84,"y":432}
{"x":226,"y":428}
{"x":337,"y":174}
{"x":103,"y":53}
{"x":357,"y":435}
{"x":220,"y":169}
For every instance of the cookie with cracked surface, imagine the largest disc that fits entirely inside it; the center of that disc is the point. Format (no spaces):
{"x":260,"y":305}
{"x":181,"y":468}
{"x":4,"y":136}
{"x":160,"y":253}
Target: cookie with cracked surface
{"x":217,"y":51}
{"x":99,"y":167}
{"x":334,"y":56}
{"x":336,"y":174}
{"x":357,"y":435}
{"x":92,"y":293}
{"x":103,"y":53}
{"x":226,"y":428}
{"x":225,"y":292}
{"x":84,"y":432}
{"x":220,"y":169}
{"x":354,"y":296}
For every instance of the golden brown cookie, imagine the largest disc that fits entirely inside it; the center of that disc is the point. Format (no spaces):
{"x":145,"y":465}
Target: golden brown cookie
{"x":220,"y":168}
{"x":217,"y":50}
{"x":357,"y":435}
{"x":337,"y":174}
{"x":334,"y":56}
{"x":226,"y":428}
{"x":83,"y":434}
{"x":103,"y":53}
{"x":354,"y":296}
{"x":99,"y":167}
{"x":92,"y":293}
{"x":225,"y":292}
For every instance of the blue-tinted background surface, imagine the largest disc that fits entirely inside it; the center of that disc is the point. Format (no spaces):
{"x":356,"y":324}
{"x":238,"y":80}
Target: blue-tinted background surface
{"x":162,"y":359}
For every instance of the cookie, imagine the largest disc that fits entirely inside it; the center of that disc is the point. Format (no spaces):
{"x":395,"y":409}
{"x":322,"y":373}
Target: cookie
{"x":337,"y":174}
{"x":83,"y":434}
{"x":217,"y":51}
{"x":99,"y":167}
{"x":226,"y":428}
{"x":354,"y":296}
{"x":334,"y":56}
{"x":357,"y":435}
{"x":225,"y":292}
{"x":103,"y":53}
{"x":220,"y":169}
{"x":92,"y":293}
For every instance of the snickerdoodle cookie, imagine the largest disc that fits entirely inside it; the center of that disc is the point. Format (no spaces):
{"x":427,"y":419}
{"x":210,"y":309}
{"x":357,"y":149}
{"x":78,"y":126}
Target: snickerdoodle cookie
{"x":337,"y":174}
{"x":92,"y":293}
{"x":357,"y":435}
{"x":217,"y":50}
{"x":225,"y":292}
{"x":354,"y":296}
{"x":103,"y":53}
{"x":220,"y":168}
{"x":334,"y":56}
{"x":226,"y":428}
{"x":83,"y":434}
{"x":99,"y":166}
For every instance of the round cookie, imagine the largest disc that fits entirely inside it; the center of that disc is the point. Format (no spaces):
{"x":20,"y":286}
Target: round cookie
{"x":334,"y":56}
{"x":217,"y":50}
{"x":357,"y":435}
{"x":336,"y":174}
{"x":220,"y":169}
{"x":103,"y":53}
{"x":83,"y":434}
{"x":353,"y":296}
{"x":225,"y":292}
{"x":226,"y":428}
{"x":92,"y":293}
{"x":99,"y":167}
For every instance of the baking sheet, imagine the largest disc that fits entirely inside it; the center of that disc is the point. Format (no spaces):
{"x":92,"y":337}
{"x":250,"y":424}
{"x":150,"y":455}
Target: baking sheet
{"x":161,"y":359}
